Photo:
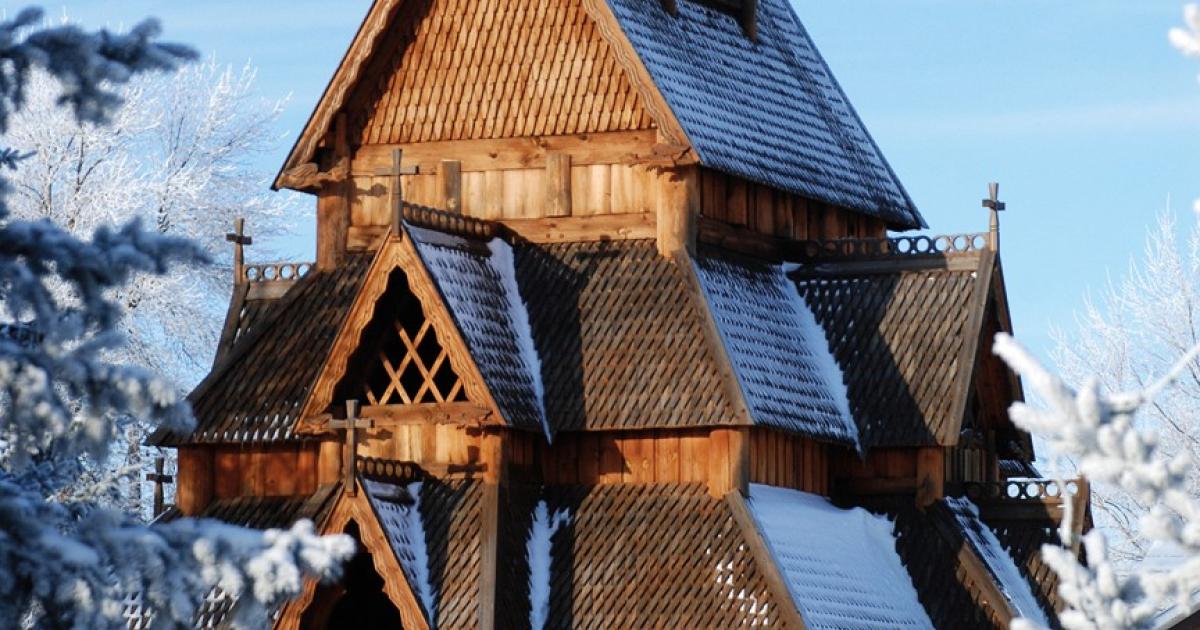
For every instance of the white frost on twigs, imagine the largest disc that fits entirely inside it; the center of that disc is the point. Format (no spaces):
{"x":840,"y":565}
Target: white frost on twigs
{"x":72,"y":563}
{"x":1097,"y":430}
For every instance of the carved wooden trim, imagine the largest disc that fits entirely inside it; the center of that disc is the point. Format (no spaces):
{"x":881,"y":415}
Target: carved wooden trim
{"x":971,"y":352}
{"x":339,"y":85}
{"x":601,"y":227}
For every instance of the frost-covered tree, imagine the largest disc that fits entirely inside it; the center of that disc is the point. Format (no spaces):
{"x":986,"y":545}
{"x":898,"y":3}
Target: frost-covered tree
{"x":179,"y":154}
{"x":1131,"y":333}
{"x":1098,"y":431}
{"x":70,"y":563}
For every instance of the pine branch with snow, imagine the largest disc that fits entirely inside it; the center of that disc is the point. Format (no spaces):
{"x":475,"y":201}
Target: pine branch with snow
{"x":69,"y":562}
{"x":1097,"y":430}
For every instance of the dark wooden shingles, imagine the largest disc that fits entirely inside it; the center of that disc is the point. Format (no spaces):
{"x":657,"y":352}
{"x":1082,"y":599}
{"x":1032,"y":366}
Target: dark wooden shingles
{"x":899,"y":338}
{"x":254,"y":394}
{"x":619,"y":337}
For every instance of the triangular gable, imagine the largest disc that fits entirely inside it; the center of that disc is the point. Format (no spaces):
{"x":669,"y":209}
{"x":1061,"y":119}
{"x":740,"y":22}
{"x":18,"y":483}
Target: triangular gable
{"x":357,"y":508}
{"x":399,"y":255}
{"x":445,"y":70}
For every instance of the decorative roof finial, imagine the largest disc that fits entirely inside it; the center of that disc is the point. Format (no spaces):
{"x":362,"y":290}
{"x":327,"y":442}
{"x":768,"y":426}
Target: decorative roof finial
{"x":994,"y":205}
{"x":396,"y":186}
{"x":239,"y":239}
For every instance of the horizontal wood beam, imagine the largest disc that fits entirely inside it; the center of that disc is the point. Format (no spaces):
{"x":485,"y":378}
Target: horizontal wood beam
{"x":602,"y":227}
{"x":456,"y":413}
{"x":621,"y":147}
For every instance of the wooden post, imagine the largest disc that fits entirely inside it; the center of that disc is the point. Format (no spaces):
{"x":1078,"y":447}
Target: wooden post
{"x":333,"y":205}
{"x":678,"y":209}
{"x":158,"y":478}
{"x":931,"y":476}
{"x":450,"y":185}
{"x":558,"y":185}
{"x":396,"y":187}
{"x":239,"y":239}
{"x":329,"y":462}
{"x":350,"y":425}
{"x":195,"y":486}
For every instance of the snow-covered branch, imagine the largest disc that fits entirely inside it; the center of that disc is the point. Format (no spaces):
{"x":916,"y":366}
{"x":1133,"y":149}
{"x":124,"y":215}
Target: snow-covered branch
{"x":70,"y":563}
{"x":1097,"y":430}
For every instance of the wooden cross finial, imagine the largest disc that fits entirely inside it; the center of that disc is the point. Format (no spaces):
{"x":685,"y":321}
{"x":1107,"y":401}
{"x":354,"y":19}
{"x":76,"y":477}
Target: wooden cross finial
{"x":350,"y":425}
{"x":994,"y":206}
{"x":158,"y":478}
{"x":239,"y":239}
{"x":396,"y":186}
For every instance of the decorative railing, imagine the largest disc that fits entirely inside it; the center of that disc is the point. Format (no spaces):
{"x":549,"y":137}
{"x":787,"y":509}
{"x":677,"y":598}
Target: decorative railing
{"x":1023,"y":490}
{"x":1027,"y":498}
{"x":275,"y":272}
{"x":941,"y":245}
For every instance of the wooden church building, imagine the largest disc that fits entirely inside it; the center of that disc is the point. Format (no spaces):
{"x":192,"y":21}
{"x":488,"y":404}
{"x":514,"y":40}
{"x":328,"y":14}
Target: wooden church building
{"x":605,"y":329}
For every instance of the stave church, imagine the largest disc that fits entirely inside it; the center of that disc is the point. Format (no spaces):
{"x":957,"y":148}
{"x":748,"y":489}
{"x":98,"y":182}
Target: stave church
{"x":615,"y":321}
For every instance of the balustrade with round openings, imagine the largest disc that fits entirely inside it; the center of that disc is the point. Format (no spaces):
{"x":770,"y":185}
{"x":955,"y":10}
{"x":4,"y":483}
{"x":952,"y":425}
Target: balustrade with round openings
{"x":920,"y":245}
{"x":276,"y":272}
{"x":1021,"y":490}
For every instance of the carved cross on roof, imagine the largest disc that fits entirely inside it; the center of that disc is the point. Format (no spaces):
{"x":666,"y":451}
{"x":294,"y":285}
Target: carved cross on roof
{"x":239,"y":239}
{"x":350,"y":425}
{"x":158,"y":478}
{"x":995,"y":206}
{"x":396,"y":187}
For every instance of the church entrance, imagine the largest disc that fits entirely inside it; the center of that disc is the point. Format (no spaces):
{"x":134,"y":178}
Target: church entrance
{"x":357,"y":600}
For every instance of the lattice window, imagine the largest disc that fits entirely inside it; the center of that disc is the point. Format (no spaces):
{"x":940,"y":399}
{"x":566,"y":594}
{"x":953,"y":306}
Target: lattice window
{"x":400,"y":359}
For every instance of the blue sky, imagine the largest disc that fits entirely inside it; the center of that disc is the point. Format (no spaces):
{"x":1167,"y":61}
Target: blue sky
{"x":1079,"y":108}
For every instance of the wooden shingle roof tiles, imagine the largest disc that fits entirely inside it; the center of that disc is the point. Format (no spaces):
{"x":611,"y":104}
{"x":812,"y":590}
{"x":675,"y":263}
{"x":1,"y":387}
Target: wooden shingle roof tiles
{"x":452,"y":518}
{"x":254,"y":393}
{"x":620,"y":338}
{"x":768,"y":110}
{"x":666,"y":556}
{"x":906,"y":336}
{"x":778,"y":353}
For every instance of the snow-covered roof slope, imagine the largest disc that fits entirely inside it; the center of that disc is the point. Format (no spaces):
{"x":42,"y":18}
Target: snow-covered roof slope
{"x":479,"y":286}
{"x":768,"y":110}
{"x":778,"y":351}
{"x":398,"y":507}
{"x":999,"y":563}
{"x":840,"y":566}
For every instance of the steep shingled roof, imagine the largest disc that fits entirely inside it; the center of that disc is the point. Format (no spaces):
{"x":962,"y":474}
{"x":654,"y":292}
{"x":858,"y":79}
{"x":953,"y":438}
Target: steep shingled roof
{"x":770,"y":111}
{"x":652,"y":556}
{"x":254,"y":393}
{"x":778,"y":352}
{"x":906,"y":336}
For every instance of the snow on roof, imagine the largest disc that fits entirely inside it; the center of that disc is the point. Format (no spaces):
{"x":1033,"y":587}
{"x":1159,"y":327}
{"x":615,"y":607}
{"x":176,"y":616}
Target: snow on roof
{"x":480,"y":288}
{"x":768,"y":110}
{"x":777,"y":348}
{"x":840,"y":566}
{"x":999,"y":563}
{"x":398,"y":508}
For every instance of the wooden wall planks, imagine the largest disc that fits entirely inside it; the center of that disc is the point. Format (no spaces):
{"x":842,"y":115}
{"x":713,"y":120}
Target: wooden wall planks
{"x":712,"y":456}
